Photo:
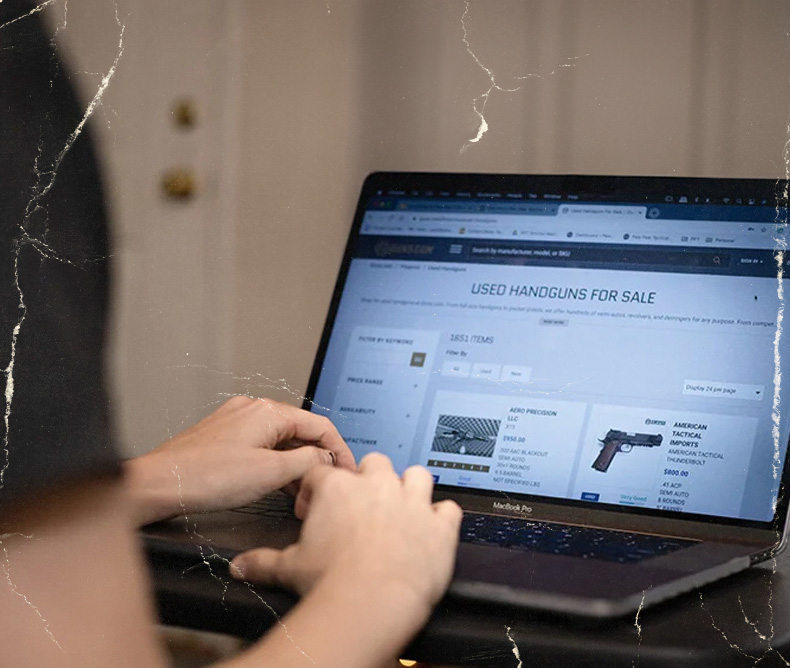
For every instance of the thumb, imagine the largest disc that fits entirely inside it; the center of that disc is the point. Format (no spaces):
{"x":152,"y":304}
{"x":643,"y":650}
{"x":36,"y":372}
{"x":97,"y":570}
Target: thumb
{"x":262,"y":565}
{"x":293,"y":464}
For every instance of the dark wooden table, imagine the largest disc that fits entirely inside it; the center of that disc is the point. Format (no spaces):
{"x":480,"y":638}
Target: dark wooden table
{"x":742,"y":621}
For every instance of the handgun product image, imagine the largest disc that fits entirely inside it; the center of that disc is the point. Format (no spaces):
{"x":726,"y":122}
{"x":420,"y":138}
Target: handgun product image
{"x":620,"y":441}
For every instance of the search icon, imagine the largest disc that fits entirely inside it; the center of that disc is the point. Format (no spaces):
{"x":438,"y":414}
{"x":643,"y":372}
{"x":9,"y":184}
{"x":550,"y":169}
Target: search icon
{"x":716,"y":259}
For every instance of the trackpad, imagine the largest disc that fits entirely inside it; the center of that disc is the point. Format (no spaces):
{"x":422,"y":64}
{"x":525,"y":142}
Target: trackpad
{"x":536,"y":571}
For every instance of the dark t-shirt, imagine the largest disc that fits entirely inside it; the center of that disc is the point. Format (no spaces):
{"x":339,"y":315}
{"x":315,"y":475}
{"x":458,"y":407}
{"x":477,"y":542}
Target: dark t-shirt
{"x":54,"y":418}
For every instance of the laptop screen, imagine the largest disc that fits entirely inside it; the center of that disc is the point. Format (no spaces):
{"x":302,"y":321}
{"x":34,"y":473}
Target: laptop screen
{"x":594,"y":340}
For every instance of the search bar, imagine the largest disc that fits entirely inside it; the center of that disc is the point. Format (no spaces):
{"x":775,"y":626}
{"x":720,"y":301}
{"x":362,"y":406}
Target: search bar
{"x":603,"y":256}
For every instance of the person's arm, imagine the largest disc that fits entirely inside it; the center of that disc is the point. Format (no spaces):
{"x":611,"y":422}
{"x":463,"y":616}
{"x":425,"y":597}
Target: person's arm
{"x":72,"y":584}
{"x":244,"y":450}
{"x":375,"y":555}
{"x":341,"y":624}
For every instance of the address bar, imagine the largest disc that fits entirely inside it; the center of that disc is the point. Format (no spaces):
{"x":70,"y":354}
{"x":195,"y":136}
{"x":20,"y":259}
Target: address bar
{"x":433,"y":218}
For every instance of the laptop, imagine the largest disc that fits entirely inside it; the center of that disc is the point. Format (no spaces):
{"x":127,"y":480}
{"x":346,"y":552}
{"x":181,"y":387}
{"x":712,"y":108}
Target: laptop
{"x":590,"y":366}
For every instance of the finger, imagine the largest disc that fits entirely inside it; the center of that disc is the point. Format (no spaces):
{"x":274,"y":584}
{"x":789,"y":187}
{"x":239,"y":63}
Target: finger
{"x":291,"y":489}
{"x":419,"y":482}
{"x":312,"y":428}
{"x":289,"y":445}
{"x":302,"y":504}
{"x":450,"y":510}
{"x":262,"y":565}
{"x":375,"y":462}
{"x":290,"y":465}
{"x":307,"y":487}
{"x":236,"y":403}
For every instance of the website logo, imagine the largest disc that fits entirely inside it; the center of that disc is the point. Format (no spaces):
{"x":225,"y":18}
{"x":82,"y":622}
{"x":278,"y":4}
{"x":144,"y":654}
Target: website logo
{"x":386,"y":248}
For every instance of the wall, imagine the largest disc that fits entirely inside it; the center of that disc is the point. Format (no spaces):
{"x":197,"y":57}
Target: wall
{"x":300,"y":100}
{"x":609,"y":86}
{"x":173,"y":259}
{"x":613,"y":87}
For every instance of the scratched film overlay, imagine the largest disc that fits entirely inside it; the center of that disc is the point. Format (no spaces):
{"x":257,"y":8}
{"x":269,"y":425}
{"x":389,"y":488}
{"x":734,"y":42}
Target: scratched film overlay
{"x":485,"y":112}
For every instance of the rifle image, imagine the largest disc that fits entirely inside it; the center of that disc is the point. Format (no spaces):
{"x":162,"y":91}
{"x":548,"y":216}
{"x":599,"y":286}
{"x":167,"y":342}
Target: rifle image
{"x":460,"y":435}
{"x":620,"y":441}
{"x":463,"y":435}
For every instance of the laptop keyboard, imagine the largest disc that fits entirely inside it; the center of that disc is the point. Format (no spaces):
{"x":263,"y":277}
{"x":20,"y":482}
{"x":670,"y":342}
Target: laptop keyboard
{"x":571,"y":541}
{"x":518,"y":534}
{"x":277,"y":504}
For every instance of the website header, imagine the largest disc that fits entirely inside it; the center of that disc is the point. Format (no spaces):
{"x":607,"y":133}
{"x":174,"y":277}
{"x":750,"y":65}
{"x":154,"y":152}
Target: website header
{"x":628,"y":225}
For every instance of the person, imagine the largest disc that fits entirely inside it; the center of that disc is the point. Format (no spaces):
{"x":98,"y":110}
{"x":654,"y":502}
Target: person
{"x":374,"y":554}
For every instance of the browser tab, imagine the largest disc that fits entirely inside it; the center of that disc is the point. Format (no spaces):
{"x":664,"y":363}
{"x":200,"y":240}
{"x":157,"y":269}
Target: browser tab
{"x":603,"y":211}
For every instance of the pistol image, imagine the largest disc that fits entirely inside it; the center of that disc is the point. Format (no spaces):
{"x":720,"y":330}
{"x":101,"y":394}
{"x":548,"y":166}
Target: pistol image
{"x":620,"y":441}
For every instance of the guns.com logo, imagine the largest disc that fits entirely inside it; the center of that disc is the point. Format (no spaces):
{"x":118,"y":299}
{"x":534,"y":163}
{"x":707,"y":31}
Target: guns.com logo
{"x":386,"y":248}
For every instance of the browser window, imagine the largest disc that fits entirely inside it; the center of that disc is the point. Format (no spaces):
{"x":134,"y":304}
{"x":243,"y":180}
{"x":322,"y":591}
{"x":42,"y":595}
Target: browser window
{"x":605,"y":353}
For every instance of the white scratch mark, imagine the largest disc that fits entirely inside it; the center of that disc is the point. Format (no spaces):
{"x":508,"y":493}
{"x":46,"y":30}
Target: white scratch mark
{"x":64,"y":23}
{"x":780,"y":220}
{"x":253,"y":383}
{"x":639,"y":626}
{"x":9,"y":370}
{"x":638,"y":612}
{"x":6,"y":536}
{"x":39,"y":192}
{"x":477,"y":107}
{"x":479,"y":103}
{"x":30,"y":13}
{"x":205,"y":561}
{"x":723,"y":634}
{"x":515,"y":651}
{"x":279,"y":623}
{"x":760,"y":635}
{"x":780,"y":249}
{"x":182,"y":507}
{"x":569,"y":62}
{"x":46,"y":251}
{"x":6,"y":571}
{"x":769,"y":602}
{"x":193,"y":532}
{"x":97,"y":98}
{"x":249,"y":586}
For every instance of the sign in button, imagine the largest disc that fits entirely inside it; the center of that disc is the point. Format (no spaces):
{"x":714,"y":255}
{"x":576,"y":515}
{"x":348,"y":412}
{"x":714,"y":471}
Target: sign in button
{"x":714,"y":389}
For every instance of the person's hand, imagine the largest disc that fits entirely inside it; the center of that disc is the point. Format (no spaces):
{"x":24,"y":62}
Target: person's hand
{"x":369,"y":530}
{"x":244,"y":450}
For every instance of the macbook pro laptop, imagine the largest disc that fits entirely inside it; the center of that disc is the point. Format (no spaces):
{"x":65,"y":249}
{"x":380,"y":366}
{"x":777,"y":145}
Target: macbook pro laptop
{"x":590,"y":366}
